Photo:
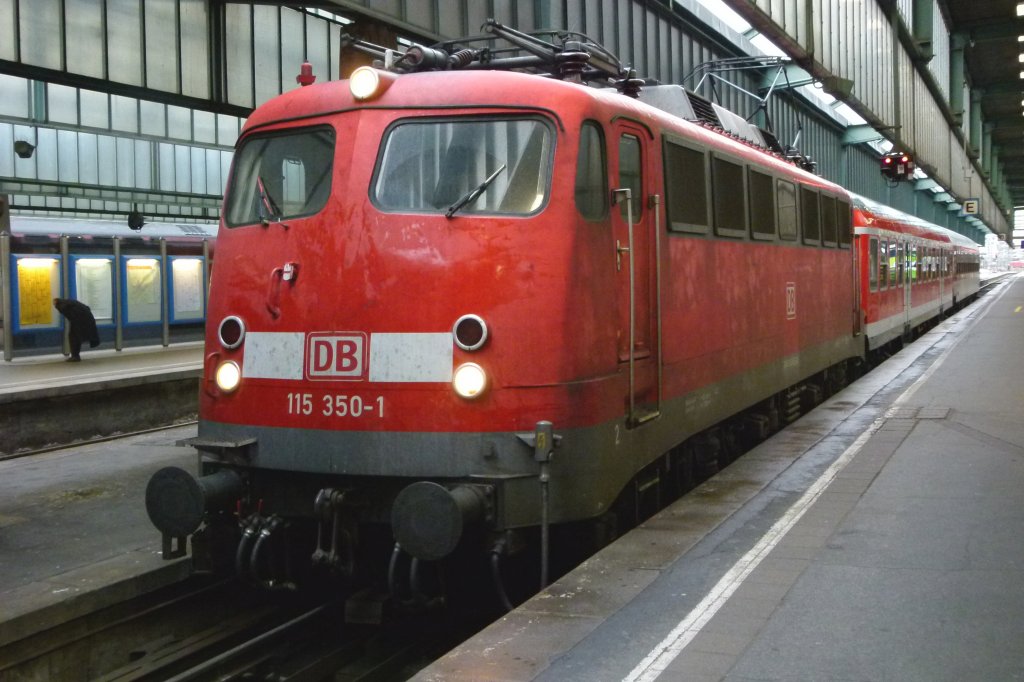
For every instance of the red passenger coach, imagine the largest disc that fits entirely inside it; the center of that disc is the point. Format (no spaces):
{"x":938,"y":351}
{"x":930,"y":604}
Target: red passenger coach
{"x":912,"y":271}
{"x":453,"y":309}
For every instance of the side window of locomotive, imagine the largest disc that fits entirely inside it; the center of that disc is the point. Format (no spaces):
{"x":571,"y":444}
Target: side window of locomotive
{"x":811,"y":218}
{"x":829,"y":225}
{"x":630,"y":175}
{"x":591,"y":174}
{"x":729,"y":198}
{"x":873,"y":264}
{"x":762,"y":205}
{"x":431,"y":165}
{"x":280,"y":176}
{"x":844,"y":223}
{"x":686,"y":186}
{"x":788,"y":225}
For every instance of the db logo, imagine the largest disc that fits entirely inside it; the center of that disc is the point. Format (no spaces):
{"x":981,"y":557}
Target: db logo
{"x":332,"y":355}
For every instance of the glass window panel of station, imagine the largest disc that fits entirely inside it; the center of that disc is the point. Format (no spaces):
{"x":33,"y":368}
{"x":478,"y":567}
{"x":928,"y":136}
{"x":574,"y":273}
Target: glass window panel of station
{"x":14,"y":96}
{"x":291,"y":51}
{"x":95,"y":108}
{"x":40,"y":43}
{"x":61,"y":103}
{"x":124,"y":113}
{"x":143,"y":150}
{"x":153,"y":117}
{"x":8,"y":31}
{"x":67,"y":155}
{"x":194,"y":52}
{"x":84,"y":37}
{"x":124,"y":41}
{"x":88,"y":159}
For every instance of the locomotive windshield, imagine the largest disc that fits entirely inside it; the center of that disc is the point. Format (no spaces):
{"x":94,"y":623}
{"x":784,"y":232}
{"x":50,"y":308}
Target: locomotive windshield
{"x":482,"y":165}
{"x":282,"y":175}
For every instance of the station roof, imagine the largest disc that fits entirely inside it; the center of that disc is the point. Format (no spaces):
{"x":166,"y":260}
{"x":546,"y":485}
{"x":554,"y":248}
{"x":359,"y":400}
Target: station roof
{"x":994,"y":30}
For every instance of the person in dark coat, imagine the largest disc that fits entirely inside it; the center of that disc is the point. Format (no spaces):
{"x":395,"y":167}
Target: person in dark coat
{"x":82,"y":325}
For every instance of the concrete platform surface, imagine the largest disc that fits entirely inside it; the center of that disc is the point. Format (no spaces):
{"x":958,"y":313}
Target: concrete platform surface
{"x":47,"y":402}
{"x":48,"y":375}
{"x":74,"y":533}
{"x":878,"y":538}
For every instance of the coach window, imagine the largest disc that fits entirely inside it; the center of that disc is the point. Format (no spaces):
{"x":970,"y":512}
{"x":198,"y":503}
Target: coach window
{"x":844,"y":223}
{"x":687,"y":188}
{"x":901,"y":264}
{"x":811,"y":217}
{"x":894,"y":266}
{"x":728,"y":195}
{"x":873,"y":264}
{"x":883,"y":265}
{"x":591,"y":174}
{"x":762,"y":205}
{"x":630,"y":174}
{"x":786,"y":196}
{"x":829,"y":227}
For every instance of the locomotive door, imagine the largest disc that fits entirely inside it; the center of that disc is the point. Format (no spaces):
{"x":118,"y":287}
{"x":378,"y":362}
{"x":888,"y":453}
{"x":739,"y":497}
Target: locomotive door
{"x":634,"y":218}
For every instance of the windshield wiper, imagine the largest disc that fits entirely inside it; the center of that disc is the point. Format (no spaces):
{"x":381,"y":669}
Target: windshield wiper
{"x":266,"y":203}
{"x":474,"y":194}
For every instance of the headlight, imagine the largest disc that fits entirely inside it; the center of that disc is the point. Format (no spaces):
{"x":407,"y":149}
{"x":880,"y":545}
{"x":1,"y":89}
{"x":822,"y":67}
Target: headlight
{"x":228,"y":376}
{"x":367,"y":83}
{"x":469,"y":380}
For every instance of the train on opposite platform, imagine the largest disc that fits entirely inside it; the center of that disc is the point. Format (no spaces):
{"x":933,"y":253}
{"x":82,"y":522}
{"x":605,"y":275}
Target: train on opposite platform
{"x":457,"y":310}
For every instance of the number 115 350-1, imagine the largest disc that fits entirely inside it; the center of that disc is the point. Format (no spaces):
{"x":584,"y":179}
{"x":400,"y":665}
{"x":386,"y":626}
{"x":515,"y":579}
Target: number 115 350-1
{"x":336,"y":405}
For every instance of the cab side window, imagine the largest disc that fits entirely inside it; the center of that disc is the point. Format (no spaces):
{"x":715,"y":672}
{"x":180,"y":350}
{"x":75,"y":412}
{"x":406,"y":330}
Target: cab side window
{"x":592,"y":174}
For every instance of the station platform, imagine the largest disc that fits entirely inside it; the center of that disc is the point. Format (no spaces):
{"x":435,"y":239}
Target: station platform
{"x":74,"y":534}
{"x":45,"y":400}
{"x":877,"y":538}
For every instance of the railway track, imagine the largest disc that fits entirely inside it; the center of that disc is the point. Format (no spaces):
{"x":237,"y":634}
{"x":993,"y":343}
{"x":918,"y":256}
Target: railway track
{"x":202,"y":629}
{"x":54,"y":447}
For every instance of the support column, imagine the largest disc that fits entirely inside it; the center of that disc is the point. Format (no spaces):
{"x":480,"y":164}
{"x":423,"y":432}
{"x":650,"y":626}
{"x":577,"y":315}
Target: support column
{"x":986,"y":149}
{"x":974,"y":147}
{"x":922,"y":28}
{"x":958,"y":41}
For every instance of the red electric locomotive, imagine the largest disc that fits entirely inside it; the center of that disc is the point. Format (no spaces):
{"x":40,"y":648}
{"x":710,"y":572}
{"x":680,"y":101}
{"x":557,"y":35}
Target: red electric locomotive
{"x":454,"y":307}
